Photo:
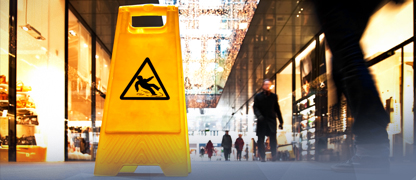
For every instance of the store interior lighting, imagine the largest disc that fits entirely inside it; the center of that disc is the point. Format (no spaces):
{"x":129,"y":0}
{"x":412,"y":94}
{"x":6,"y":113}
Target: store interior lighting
{"x":33,"y":32}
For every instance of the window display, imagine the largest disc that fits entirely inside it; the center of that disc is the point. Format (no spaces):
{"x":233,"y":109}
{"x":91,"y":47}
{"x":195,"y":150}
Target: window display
{"x":79,"y":90}
{"x":304,"y":107}
{"x":40,"y":63}
{"x":305,"y":110}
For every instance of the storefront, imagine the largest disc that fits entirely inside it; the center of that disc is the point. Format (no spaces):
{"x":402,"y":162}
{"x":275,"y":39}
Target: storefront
{"x":53,"y":79}
{"x":321,"y":124}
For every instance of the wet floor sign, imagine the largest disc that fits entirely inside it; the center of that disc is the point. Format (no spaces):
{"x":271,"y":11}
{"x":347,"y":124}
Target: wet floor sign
{"x":144,"y":121}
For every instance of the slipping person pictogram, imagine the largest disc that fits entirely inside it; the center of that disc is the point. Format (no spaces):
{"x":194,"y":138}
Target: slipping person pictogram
{"x":147,"y":85}
{"x":144,"y":83}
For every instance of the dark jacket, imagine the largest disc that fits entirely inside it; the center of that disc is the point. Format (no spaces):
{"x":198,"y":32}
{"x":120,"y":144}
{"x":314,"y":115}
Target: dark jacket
{"x":266,"y":107}
{"x":209,"y":148}
{"x":239,"y":144}
{"x":226,"y":141}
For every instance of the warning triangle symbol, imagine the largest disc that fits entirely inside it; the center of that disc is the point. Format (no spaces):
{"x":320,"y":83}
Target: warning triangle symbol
{"x":145,"y":85}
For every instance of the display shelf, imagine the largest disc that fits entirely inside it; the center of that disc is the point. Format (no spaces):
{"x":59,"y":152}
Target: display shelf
{"x":29,"y":109}
{"x":307,"y":109}
{"x":23,"y":92}
{"x":4,"y":101}
{"x":26,"y":124}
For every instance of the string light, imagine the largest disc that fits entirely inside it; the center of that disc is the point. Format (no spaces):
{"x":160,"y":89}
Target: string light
{"x":211,"y":34}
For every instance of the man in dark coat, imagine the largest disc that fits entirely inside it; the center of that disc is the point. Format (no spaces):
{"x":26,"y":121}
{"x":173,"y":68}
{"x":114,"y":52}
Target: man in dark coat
{"x":266,"y":108}
{"x":226,"y":143}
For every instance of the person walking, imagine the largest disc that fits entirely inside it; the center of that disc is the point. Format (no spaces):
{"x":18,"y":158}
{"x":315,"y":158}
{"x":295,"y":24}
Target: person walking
{"x":246,"y":153}
{"x":226,"y":143}
{"x":343,"y":23}
{"x":266,"y":107}
{"x":253,"y":147}
{"x":201,"y":152}
{"x":209,"y":148}
{"x":239,"y":145}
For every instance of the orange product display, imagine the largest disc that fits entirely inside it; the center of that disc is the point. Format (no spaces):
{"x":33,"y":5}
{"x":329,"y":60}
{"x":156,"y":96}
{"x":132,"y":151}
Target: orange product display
{"x":144,"y":120}
{"x":24,"y":153}
{"x":4,"y":95}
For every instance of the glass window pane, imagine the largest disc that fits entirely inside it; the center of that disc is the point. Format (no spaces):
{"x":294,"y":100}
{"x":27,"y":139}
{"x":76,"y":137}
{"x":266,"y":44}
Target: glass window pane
{"x":40,"y":80}
{"x":284,"y":93}
{"x":304,"y":71}
{"x":387,"y":76}
{"x":408,"y":101}
{"x":79,"y":90}
{"x":4,"y":79}
{"x":102,"y":73}
{"x":389,"y":26}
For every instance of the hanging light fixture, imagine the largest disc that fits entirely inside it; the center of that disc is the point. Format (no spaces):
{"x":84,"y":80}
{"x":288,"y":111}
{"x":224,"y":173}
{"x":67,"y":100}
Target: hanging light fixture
{"x":30,"y":29}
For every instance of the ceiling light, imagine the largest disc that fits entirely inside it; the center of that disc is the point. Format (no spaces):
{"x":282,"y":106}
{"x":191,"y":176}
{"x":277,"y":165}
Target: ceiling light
{"x":96,"y":56}
{"x":269,"y":27}
{"x":33,"y":32}
{"x":43,"y":49}
{"x":297,"y":15}
{"x":85,"y":45}
{"x":105,"y":65}
{"x":72,"y":33}
{"x":242,"y":25}
{"x":301,"y":9}
{"x":37,"y":57}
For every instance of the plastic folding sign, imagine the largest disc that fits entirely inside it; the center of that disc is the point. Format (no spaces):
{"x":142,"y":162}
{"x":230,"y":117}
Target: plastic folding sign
{"x":144,"y":120}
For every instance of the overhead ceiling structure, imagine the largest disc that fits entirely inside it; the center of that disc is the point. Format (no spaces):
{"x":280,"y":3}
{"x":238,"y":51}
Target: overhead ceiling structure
{"x":228,"y":47}
{"x":278,"y":30}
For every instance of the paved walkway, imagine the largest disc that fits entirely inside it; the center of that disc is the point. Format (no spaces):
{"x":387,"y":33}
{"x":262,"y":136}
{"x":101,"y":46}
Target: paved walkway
{"x":209,"y":170}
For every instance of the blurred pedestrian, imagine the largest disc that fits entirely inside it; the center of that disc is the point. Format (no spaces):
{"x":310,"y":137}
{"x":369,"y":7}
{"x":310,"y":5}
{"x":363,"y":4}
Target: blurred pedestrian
{"x":239,"y":145}
{"x":209,"y":149}
{"x":343,"y":23}
{"x":253,"y":147}
{"x":266,"y":107}
{"x":201,"y":152}
{"x":226,"y":143}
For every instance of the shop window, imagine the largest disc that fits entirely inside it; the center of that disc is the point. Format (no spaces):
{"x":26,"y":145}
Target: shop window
{"x":102,"y":73}
{"x":304,"y":107}
{"x":388,"y":27}
{"x":79,"y":90}
{"x":284,"y":93}
{"x":4,"y":79}
{"x":387,"y":76}
{"x":40,"y":80}
{"x":408,"y":101}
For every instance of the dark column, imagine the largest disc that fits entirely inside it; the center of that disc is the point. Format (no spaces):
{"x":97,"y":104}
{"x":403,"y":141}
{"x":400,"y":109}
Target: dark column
{"x":93,"y":70}
{"x":66,"y":81}
{"x":12,"y":79}
{"x":414,"y":76}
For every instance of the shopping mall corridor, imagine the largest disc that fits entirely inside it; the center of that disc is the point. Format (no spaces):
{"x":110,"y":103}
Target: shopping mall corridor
{"x":211,"y":170}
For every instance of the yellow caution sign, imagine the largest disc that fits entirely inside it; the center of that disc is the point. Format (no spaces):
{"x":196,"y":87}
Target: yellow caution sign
{"x":144,"y":121}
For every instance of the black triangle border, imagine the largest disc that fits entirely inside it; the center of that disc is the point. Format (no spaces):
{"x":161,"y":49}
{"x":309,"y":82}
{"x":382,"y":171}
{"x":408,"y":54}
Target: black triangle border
{"x":147,"y":60}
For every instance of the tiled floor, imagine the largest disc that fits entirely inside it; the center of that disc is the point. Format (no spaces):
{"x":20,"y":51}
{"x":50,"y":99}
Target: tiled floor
{"x":209,"y":170}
